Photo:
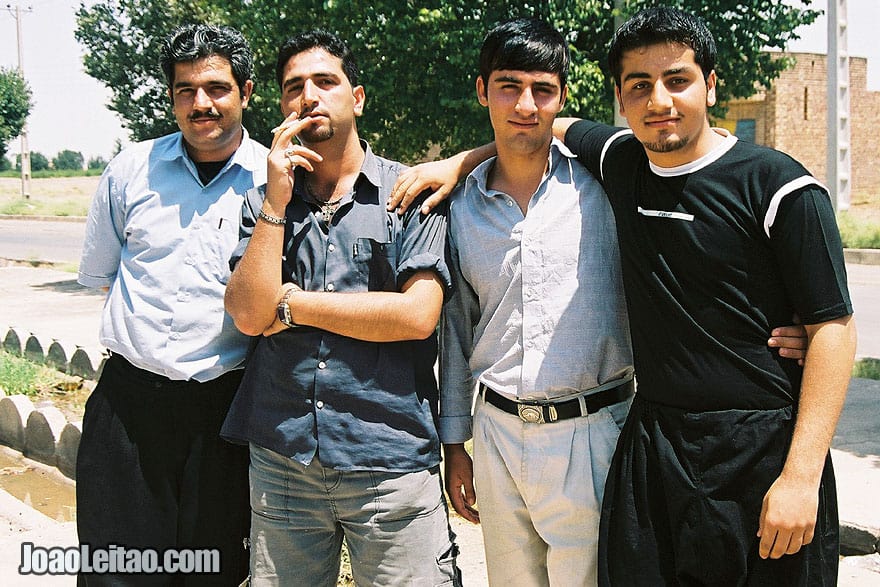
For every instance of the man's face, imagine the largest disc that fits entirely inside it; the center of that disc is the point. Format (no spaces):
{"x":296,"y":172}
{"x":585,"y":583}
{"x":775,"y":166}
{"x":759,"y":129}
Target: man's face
{"x":665,"y":100}
{"x":207,"y":104}
{"x":315,"y":86}
{"x":522,"y":106}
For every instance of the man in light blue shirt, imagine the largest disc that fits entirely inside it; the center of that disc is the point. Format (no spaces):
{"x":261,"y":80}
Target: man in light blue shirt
{"x":152,"y":470}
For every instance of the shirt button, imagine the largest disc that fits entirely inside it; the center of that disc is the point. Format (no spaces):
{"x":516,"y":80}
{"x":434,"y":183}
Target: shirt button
{"x":331,"y":247}
{"x":174,"y":336}
{"x":319,"y":404}
{"x":189,"y":261}
{"x":330,"y":287}
{"x":509,"y":203}
{"x":322,"y":365}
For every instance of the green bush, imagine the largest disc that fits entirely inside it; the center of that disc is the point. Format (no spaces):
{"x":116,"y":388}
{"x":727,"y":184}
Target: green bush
{"x":20,"y":376}
{"x":867,"y":369}
{"x":857,"y":233}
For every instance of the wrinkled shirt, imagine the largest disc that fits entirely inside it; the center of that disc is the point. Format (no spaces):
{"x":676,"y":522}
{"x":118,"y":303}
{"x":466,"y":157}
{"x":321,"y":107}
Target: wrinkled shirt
{"x":537,"y":309}
{"x":361,"y":405}
{"x":161,"y":241}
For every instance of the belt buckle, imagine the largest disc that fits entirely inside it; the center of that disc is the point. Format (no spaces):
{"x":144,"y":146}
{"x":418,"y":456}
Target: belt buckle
{"x":530,"y":413}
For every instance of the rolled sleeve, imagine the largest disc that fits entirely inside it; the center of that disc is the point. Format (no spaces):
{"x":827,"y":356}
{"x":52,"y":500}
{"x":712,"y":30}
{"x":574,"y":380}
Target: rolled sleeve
{"x":104,"y":235}
{"x":424,"y":245}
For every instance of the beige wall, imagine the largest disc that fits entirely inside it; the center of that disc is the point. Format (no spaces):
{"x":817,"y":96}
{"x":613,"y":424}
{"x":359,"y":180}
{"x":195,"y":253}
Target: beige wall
{"x":791,"y":117}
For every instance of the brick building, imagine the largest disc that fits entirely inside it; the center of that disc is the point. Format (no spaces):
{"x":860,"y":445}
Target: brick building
{"x":791,"y":117}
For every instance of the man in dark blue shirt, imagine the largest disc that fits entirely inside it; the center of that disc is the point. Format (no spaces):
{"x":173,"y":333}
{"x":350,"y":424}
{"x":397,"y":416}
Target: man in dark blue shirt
{"x":338,"y":401}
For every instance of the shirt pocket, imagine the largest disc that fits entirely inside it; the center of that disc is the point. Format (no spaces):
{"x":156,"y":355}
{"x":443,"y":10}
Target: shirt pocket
{"x":376,"y":262}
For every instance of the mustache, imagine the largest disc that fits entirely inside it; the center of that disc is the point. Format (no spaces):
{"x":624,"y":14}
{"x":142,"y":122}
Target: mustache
{"x":210,"y":114}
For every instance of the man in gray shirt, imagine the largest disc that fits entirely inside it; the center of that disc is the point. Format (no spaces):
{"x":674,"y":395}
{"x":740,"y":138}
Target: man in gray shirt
{"x":546,"y":339}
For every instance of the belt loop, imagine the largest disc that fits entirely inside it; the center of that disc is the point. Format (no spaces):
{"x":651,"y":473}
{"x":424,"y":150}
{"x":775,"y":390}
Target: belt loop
{"x":583,"y":404}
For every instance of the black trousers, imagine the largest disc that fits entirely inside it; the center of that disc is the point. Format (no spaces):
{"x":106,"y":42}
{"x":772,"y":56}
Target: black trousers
{"x":683,"y":501}
{"x":153,"y":472}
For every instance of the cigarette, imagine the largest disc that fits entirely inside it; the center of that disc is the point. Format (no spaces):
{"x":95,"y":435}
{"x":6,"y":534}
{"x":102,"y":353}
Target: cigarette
{"x":281,"y":127}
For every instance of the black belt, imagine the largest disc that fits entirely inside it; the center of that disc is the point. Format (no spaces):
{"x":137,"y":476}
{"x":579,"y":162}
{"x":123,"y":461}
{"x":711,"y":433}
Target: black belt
{"x":535,"y":412}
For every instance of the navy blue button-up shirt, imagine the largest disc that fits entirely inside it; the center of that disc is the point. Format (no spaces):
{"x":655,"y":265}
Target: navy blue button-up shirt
{"x":361,"y":405}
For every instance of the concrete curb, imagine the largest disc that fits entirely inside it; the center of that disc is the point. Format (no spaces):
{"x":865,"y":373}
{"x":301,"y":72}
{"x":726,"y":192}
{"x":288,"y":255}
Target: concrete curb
{"x":43,"y":433}
{"x":862,"y":256}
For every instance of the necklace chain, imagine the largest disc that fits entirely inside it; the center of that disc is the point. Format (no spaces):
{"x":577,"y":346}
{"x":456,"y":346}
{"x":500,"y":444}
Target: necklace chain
{"x":328,"y":208}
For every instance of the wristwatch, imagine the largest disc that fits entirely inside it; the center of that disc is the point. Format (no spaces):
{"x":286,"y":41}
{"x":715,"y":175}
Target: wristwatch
{"x":283,"y":309}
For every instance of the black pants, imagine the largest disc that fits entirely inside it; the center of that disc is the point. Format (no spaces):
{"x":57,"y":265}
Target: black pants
{"x":153,"y":472}
{"x":684,"y":495}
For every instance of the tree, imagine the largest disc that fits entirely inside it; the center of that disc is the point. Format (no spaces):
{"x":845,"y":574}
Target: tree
{"x":97,"y":163}
{"x":418,"y":59}
{"x":15,"y":106}
{"x":39,"y":162}
{"x":5,"y":163}
{"x":68,"y":159}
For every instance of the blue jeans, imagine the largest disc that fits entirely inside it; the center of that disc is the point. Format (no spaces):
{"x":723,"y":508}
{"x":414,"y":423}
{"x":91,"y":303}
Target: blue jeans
{"x":395,"y":524}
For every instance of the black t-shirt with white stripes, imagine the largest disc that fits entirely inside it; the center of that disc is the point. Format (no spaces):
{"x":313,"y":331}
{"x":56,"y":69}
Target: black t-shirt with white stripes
{"x":717,"y":253}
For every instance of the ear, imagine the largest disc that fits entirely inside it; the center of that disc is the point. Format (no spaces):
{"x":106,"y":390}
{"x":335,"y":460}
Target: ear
{"x":360,"y":99}
{"x":482,"y":92}
{"x":246,"y":91}
{"x":562,"y":97}
{"x":711,"y":85}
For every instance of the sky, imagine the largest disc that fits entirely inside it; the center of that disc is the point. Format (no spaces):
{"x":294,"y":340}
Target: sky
{"x":70,"y":107}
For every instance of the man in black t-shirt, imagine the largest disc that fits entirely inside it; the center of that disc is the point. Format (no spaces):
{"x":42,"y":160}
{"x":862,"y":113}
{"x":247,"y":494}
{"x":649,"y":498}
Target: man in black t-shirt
{"x":722,"y":474}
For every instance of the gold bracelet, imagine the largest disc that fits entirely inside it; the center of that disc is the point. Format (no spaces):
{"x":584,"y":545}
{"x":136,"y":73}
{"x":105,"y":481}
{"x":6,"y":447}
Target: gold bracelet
{"x":272,"y":219}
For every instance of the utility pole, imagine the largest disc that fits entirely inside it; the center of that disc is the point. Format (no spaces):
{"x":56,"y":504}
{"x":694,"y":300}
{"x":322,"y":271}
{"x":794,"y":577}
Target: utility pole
{"x":25,"y":150}
{"x":619,"y":6}
{"x":839,"y":160}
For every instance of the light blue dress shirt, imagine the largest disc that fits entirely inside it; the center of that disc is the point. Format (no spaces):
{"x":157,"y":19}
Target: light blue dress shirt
{"x":161,"y":241}
{"x":537,"y":309}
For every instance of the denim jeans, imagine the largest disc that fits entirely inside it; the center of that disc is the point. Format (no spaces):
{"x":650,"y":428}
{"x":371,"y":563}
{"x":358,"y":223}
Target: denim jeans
{"x":395,"y":524}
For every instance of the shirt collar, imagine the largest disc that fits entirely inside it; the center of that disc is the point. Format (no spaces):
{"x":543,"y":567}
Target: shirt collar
{"x":478,"y":178}
{"x":369,"y":171}
{"x":245,"y":155}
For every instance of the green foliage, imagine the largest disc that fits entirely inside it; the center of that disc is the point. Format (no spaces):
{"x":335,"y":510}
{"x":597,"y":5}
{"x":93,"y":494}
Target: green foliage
{"x":68,"y":159}
{"x":39,"y":162}
{"x":867,"y":369}
{"x":5,"y":163}
{"x":15,"y":106}
{"x":20,"y":376}
{"x":857,"y":233}
{"x":98,"y":163}
{"x":418,"y":59}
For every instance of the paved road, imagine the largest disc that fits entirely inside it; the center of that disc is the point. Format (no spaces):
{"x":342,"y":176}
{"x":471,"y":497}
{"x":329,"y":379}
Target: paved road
{"x":30,"y":240}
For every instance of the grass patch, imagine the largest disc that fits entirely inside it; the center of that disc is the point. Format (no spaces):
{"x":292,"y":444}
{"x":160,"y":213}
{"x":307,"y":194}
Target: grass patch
{"x":857,"y":233}
{"x":41,"y":383}
{"x":42,"y":207}
{"x":867,"y":369}
{"x":53,"y":173}
{"x":20,"y":376}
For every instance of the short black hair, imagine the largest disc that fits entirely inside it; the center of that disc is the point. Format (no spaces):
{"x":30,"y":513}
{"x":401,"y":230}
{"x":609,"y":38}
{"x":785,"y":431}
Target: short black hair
{"x":196,"y":41}
{"x":525,"y":44}
{"x":317,"y":39}
{"x":663,"y":24}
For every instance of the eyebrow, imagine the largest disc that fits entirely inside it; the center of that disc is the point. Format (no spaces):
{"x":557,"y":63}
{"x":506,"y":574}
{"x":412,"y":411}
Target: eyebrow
{"x":300,"y":78}
{"x":666,"y":73}
{"x":511,"y":79}
{"x":184,"y":84}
